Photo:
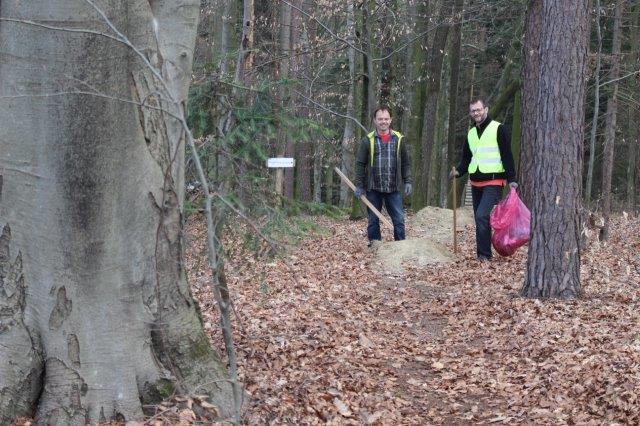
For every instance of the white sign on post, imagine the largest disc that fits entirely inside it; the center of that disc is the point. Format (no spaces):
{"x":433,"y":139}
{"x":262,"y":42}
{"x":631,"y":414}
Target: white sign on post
{"x":279,"y":162}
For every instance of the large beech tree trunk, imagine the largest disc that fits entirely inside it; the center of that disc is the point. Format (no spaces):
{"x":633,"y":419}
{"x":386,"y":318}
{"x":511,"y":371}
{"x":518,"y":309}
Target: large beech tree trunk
{"x":96,"y":318}
{"x":556,"y":126}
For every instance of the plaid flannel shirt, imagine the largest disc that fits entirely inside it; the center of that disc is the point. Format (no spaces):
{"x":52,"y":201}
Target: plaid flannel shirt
{"x":384,"y":164}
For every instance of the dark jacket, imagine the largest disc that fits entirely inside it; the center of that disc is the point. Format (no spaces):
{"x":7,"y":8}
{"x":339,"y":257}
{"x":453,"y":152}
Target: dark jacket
{"x":504,"y":145}
{"x":363,"y":165}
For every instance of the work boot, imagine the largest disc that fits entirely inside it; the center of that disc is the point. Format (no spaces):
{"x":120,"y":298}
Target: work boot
{"x":374,"y":244}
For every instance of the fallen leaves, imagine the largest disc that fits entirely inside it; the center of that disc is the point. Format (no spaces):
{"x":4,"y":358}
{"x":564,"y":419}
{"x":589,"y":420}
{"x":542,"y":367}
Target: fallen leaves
{"x":324,"y":337}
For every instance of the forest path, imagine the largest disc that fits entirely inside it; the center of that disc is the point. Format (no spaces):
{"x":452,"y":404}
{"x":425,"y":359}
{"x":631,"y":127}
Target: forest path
{"x":327,"y":336}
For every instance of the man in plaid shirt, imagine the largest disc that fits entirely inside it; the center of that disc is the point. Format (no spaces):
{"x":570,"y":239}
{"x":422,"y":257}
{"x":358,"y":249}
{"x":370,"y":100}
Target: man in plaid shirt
{"x":382,"y":170}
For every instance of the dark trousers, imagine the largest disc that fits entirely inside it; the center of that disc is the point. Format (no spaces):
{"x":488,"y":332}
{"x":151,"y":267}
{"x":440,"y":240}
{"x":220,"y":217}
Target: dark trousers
{"x":484,"y":199}
{"x":393,"y":204}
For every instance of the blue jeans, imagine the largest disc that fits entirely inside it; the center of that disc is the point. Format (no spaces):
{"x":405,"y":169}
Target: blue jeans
{"x":484,"y":198}
{"x":393,"y":204}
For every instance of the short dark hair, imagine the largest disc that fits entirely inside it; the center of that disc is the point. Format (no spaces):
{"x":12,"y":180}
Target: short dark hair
{"x":381,"y":108}
{"x":478,"y":99}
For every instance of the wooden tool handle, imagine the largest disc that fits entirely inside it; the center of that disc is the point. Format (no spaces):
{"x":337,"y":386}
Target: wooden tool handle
{"x":364,"y":199}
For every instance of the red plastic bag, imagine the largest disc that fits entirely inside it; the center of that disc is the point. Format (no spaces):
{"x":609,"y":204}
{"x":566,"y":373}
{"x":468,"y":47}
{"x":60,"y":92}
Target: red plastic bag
{"x":511,"y":223}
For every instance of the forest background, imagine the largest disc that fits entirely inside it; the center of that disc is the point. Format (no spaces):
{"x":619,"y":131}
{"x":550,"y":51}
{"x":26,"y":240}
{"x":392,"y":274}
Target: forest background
{"x":303,"y":81}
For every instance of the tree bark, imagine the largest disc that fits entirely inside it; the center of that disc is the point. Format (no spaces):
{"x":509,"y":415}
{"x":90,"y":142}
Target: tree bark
{"x":243,"y":78}
{"x":288,"y":145}
{"x":100,"y":318}
{"x":556,"y":129}
{"x":611,"y":121}
{"x":596,"y":109}
{"x":225,"y":36}
{"x":328,"y":184}
{"x":432,"y":94}
{"x":504,"y":98}
{"x":456,"y":41}
{"x":220,"y":112}
{"x":369,"y":70}
{"x":386,"y":65}
{"x":516,"y":127}
{"x":304,"y":32}
{"x":530,"y":84}
{"x":414,"y":95}
{"x":318,"y":157}
{"x":441,"y":170}
{"x":634,"y":114}
{"x":348,"y":136}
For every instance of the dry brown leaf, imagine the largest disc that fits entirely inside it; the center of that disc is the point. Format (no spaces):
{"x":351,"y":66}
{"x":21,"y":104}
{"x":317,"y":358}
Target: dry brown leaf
{"x":365,"y":342}
{"x":343,"y":409}
{"x":186,"y":417}
{"x":213,"y":409}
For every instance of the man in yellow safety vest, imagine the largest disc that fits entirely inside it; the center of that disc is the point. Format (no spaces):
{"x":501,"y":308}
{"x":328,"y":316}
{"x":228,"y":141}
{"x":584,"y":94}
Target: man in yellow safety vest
{"x":487,"y":157}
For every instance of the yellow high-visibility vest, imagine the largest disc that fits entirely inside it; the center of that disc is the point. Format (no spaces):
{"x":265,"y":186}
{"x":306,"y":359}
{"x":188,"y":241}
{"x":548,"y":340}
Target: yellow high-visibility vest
{"x":484,"y":150}
{"x":372,"y":142}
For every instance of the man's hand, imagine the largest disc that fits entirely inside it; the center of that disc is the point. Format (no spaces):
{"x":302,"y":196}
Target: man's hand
{"x":513,"y":185}
{"x":453,"y":173}
{"x":359,"y":192}
{"x":407,"y":189}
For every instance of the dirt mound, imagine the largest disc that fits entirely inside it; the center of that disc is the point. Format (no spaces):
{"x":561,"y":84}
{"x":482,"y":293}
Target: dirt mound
{"x":415,"y":251}
{"x":437,"y":224}
{"x":427,"y":232}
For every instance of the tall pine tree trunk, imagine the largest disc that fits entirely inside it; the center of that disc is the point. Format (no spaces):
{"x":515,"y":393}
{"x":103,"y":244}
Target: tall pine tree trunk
{"x":303,"y":61}
{"x":530,"y":84}
{"x":555,"y":127}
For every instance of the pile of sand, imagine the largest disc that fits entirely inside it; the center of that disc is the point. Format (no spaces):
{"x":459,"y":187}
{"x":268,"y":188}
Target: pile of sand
{"x":414,"y":251}
{"x":427,"y":232}
{"x":437,"y":224}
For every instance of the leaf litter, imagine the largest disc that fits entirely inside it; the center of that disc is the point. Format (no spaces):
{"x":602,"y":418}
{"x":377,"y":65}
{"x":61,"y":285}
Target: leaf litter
{"x":326,"y":334}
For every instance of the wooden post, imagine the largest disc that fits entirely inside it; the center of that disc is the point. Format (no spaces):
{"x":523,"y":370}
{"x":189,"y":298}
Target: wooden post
{"x":280,"y":184}
{"x":364,"y":199}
